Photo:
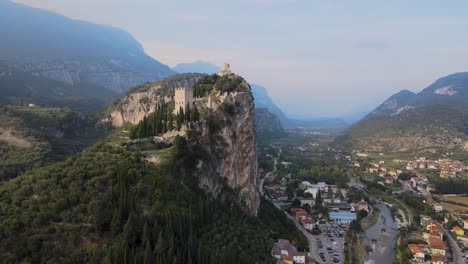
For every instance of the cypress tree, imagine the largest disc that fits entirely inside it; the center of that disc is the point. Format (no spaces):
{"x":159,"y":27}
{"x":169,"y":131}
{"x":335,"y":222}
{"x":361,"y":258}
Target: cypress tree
{"x":148,"y":259}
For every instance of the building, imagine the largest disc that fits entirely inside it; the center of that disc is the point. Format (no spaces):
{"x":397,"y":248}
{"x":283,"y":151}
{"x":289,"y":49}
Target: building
{"x":430,"y":188}
{"x":438,"y":259}
{"x":212,"y":104}
{"x":183,"y":97}
{"x":437,"y":207}
{"x":298,"y":213}
{"x":418,"y":253}
{"x":345,"y":217}
{"x":299,"y":258}
{"x":310,"y":201}
{"x":282,"y":248}
{"x":458,"y":230}
{"x":362,"y":206}
{"x":226,"y":70}
{"x":308,"y":223}
{"x":436,"y":245}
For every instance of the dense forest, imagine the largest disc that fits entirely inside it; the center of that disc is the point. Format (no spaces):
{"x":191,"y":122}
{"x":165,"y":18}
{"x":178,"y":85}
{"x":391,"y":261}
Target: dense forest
{"x":105,"y":205}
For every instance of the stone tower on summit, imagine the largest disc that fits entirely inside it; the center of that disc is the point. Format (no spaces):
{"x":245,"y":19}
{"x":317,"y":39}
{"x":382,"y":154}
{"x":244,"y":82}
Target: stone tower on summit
{"x":183,"y":96}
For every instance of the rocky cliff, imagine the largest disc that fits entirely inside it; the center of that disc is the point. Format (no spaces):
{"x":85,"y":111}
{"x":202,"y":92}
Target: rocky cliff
{"x":224,"y":136}
{"x":142,"y":100}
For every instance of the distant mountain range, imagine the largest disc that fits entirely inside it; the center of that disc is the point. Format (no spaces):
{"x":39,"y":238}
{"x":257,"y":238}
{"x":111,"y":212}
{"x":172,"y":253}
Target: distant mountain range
{"x":435,"y":118}
{"x":49,"y":45}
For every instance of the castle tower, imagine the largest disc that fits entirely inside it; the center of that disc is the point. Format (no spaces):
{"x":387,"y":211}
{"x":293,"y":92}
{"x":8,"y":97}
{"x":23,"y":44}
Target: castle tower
{"x":182,"y":97}
{"x":227,"y":70}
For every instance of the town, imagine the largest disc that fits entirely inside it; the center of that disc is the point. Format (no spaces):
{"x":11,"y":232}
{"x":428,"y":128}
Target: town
{"x":385,"y":202}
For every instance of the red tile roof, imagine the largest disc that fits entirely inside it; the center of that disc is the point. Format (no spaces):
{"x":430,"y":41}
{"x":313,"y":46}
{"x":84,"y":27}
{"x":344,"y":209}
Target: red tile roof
{"x":415,"y":248}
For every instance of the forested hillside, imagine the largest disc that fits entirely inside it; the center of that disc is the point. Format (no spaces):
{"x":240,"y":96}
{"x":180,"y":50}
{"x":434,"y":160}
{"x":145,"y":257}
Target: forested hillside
{"x":106,"y":205}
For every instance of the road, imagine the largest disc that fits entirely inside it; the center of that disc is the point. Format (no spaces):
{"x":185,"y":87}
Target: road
{"x":312,"y":242}
{"x":456,"y":252}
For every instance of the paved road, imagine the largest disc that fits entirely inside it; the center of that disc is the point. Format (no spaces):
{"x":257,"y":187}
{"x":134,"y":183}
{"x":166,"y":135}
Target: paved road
{"x":312,"y":242}
{"x":456,"y":252}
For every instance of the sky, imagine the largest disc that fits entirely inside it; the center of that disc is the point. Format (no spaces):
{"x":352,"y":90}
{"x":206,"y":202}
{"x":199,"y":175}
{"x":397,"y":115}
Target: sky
{"x":317,"y":58}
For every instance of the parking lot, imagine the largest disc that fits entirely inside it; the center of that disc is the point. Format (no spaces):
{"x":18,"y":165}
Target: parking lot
{"x":330,"y":243}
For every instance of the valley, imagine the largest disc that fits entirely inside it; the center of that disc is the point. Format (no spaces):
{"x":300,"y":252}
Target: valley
{"x":118,"y":151}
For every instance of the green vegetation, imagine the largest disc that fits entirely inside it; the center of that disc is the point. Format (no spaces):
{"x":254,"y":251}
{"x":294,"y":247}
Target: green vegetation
{"x":224,"y":84}
{"x":205,"y":85}
{"x":105,"y":205}
{"x":21,"y":88}
{"x":452,"y":186}
{"x":34,"y":136}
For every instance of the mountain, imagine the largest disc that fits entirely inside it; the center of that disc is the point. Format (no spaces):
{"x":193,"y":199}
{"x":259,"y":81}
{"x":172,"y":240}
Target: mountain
{"x":435,"y":118}
{"x":19,"y":87}
{"x":75,"y":52}
{"x":268,"y":125}
{"x":226,"y":110}
{"x":34,"y":136}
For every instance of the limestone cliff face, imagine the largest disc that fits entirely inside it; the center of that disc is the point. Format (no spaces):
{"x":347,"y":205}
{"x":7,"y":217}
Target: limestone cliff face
{"x":225,"y":135}
{"x":141,"y":101}
{"x":229,"y":141}
{"x":114,"y":74}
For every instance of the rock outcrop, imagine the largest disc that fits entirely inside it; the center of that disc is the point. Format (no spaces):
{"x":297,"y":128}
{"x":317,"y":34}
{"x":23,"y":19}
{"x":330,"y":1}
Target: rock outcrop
{"x":141,"y":101}
{"x":225,"y":134}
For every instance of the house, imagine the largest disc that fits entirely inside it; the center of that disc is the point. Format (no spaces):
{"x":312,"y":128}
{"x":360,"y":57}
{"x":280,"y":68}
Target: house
{"x":438,"y":259}
{"x":465,"y":223}
{"x":418,"y":253}
{"x":362,"y":206}
{"x":425,"y":220}
{"x":458,"y":230}
{"x":308,"y":223}
{"x":373,"y":170}
{"x":388,"y":180}
{"x":310,"y":201}
{"x":299,"y":258}
{"x":298,"y":213}
{"x":282,"y":248}
{"x":430,"y":188}
{"x":437,"y":207}
{"x":436,"y":245}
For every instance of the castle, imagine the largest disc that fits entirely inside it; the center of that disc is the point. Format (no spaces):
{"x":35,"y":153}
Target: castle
{"x":183,"y":96}
{"x":226,"y":71}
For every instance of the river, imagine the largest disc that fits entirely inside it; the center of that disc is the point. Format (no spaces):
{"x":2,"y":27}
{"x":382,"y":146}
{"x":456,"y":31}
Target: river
{"x":382,"y":238}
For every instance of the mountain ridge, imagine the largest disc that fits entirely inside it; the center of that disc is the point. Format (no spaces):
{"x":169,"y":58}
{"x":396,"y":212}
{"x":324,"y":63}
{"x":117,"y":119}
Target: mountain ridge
{"x":434,"y":118}
{"x":74,"y":51}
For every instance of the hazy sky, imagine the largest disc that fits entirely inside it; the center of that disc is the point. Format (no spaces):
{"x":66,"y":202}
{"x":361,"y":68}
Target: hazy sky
{"x":317,"y":58}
